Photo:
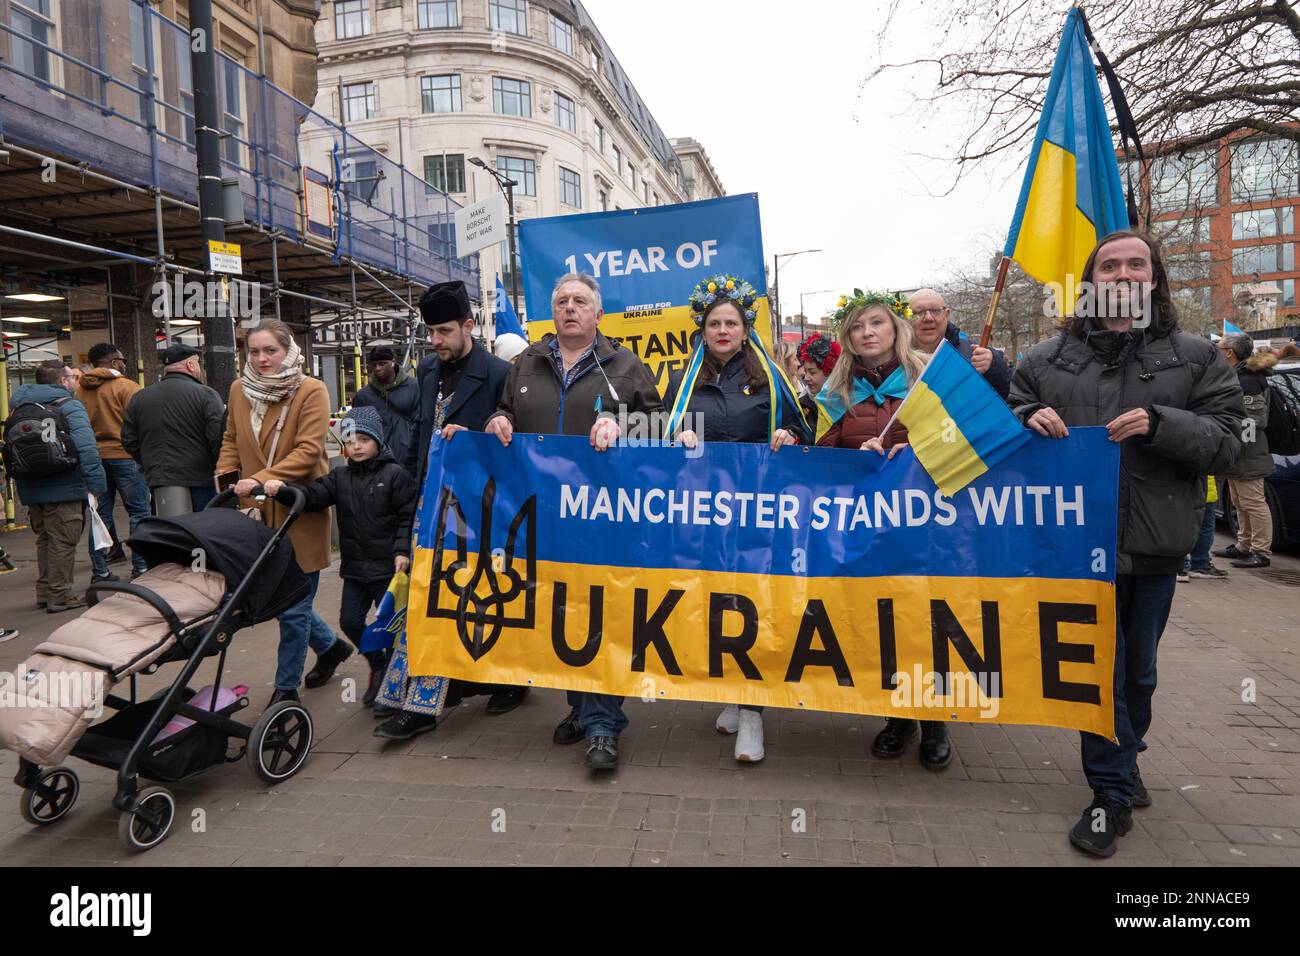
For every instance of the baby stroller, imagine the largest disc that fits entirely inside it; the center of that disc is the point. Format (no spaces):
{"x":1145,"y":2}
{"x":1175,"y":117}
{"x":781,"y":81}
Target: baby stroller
{"x":201,"y":588}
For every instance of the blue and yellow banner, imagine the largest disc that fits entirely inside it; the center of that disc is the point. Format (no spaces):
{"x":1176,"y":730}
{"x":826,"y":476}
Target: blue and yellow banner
{"x":647,"y":261}
{"x":1072,"y":195}
{"x":809,"y":578}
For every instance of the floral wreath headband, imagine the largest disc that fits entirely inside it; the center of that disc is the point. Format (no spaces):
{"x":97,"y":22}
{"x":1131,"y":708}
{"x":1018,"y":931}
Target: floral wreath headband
{"x":724,"y":287}
{"x":895,"y":302}
{"x":820,"y":351}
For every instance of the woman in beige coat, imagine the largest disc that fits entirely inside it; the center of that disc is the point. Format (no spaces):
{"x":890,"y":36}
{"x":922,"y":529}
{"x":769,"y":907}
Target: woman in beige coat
{"x":275,"y":428}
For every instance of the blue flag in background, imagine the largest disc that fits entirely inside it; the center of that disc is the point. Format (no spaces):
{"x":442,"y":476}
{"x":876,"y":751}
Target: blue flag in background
{"x":506,"y":319}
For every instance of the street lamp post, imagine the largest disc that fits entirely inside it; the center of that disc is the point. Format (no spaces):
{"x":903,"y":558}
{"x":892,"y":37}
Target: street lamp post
{"x":507,"y":186}
{"x":776,"y":285}
{"x":802,"y":314}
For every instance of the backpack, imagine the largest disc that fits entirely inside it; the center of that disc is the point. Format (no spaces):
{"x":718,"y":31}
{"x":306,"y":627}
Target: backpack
{"x":1283,"y":428}
{"x":31,"y":450}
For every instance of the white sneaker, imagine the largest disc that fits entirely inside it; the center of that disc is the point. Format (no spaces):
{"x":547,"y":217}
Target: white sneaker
{"x":728,"y":721}
{"x":749,"y":738}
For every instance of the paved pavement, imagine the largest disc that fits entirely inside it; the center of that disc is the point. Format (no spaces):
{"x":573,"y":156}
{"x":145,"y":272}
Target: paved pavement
{"x":1225,"y":773}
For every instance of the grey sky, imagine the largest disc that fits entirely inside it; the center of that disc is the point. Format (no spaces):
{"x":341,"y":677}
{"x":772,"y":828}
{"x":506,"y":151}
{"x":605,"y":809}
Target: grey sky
{"x":771,"y":91}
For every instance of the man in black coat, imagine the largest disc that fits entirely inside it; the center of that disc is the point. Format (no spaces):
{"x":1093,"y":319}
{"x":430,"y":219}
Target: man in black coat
{"x":173,"y":429}
{"x":460,"y":385}
{"x":930,"y":326}
{"x":396,"y":396}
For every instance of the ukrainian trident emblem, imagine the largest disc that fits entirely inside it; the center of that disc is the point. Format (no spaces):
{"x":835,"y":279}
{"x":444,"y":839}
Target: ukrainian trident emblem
{"x":478,"y":597}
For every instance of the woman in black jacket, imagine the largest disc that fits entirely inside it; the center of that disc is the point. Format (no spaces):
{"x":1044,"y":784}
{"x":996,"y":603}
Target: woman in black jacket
{"x":728,"y":389}
{"x":375,"y":498}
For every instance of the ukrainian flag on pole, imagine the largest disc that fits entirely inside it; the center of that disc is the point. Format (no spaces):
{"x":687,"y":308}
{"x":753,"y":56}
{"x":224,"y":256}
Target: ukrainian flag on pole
{"x":957,"y":424}
{"x":1071,"y":196}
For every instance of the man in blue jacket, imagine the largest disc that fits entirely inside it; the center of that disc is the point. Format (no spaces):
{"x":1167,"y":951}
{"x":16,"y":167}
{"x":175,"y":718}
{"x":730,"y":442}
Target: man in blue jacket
{"x":56,"y":503}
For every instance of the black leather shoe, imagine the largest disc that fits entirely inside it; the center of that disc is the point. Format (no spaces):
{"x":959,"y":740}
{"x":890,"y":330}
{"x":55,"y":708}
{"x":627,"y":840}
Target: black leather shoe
{"x":602,"y":754}
{"x":892,"y":739}
{"x":280,"y":695}
{"x":1229,"y":552}
{"x":328,"y":663}
{"x":506,"y":700}
{"x":936,"y":751}
{"x":372,"y":688}
{"x":1141,"y":798}
{"x":405,"y":725}
{"x":568,"y":731}
{"x":1252,"y":560}
{"x":1102,"y":824}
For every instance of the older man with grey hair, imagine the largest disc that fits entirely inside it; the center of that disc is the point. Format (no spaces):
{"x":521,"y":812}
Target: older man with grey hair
{"x":931,"y":325}
{"x":574,"y":382}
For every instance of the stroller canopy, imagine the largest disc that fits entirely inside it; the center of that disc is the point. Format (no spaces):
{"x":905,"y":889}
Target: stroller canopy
{"x":231,"y":544}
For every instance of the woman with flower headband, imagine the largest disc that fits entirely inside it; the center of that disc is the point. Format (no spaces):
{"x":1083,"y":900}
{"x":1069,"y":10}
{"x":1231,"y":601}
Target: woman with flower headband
{"x":877,"y":366}
{"x":738,"y":393}
{"x":817,"y":356}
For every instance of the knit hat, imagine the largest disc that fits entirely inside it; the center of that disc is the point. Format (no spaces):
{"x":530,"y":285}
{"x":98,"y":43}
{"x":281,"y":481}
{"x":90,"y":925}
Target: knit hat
{"x":364,"y":421}
{"x":508,"y":345}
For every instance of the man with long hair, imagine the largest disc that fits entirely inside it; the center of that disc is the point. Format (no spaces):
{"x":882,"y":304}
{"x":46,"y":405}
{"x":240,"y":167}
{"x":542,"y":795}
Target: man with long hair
{"x":1175,"y":408}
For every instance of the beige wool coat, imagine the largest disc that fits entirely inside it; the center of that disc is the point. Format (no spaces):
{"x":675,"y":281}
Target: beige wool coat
{"x":299,"y":458}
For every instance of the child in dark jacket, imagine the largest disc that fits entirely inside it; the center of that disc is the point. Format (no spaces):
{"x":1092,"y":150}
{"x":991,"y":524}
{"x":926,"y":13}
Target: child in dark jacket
{"x":375,"y":498}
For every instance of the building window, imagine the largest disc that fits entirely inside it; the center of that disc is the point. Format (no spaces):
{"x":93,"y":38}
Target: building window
{"x":508,"y":16}
{"x":140,"y":60}
{"x":364,"y":182}
{"x":351,"y":18}
{"x":1260,"y":259}
{"x":437,"y":14}
{"x":618,"y":162}
{"x":631,"y":176}
{"x":1288,"y":292}
{"x":1263,"y":223}
{"x":232,"y":111}
{"x":440,"y":94}
{"x":599,"y":137}
{"x":522,"y":171}
{"x":446,"y":172}
{"x":1188,"y":266}
{"x":1174,"y":233}
{"x":566,"y":113}
{"x":185,"y":80}
{"x":512,"y":97}
{"x":1185,"y":182}
{"x":1265,"y":169}
{"x":570,"y":188}
{"x":31,"y":18}
{"x":507,"y":273}
{"x":645,"y":190}
{"x":561,"y":35}
{"x":604,"y":200}
{"x":358,"y":101}
{"x":595,"y":61}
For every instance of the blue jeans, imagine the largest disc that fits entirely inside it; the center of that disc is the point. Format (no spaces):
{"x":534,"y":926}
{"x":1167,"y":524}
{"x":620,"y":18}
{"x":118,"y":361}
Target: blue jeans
{"x":199,"y":497}
{"x":300,"y":628}
{"x":1142,"y":610}
{"x":599,"y":715}
{"x":1199,"y":559}
{"x":125,"y":478}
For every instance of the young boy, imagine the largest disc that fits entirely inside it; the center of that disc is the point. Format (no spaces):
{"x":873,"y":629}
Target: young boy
{"x":375,"y":498}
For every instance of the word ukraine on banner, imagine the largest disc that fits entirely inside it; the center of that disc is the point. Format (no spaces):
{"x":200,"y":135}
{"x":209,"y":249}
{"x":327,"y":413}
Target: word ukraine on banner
{"x":817,"y":579}
{"x":647,"y":261}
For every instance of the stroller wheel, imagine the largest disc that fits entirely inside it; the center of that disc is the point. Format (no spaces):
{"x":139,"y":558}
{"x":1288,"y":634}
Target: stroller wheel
{"x":149,"y":823}
{"x":280,"y":741}
{"x":50,"y":797}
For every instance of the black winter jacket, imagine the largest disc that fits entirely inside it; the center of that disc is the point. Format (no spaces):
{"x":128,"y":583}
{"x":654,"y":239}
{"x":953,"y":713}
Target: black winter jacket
{"x":376,"y":506}
{"x":399,"y":409}
{"x":174,"y":430}
{"x":730,"y":410}
{"x":1196,"y":410}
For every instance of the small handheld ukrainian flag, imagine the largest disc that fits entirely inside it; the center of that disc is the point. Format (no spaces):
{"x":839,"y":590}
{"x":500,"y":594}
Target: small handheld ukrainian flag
{"x":957,"y":424}
{"x":1071,"y":196}
{"x":390,"y":618}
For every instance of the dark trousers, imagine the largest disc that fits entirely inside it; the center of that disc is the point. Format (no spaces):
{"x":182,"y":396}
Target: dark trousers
{"x":58,"y":528}
{"x":1142,"y":610}
{"x":358,"y":598}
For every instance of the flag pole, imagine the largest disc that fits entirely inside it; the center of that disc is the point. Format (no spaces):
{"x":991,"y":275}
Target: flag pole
{"x":993,"y":303}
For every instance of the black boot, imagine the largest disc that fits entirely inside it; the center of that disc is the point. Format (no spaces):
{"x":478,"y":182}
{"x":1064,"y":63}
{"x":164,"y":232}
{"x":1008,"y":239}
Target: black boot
{"x":280,"y":695}
{"x":892,"y":740}
{"x":1102,"y":824}
{"x":404,"y":725}
{"x":568,"y":731}
{"x":1141,"y":796}
{"x":328,"y":663}
{"x":506,"y":699}
{"x":378,"y":661}
{"x":936,"y":751}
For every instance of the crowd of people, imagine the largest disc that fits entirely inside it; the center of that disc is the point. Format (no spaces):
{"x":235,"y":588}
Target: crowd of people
{"x":1175,"y":404}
